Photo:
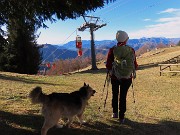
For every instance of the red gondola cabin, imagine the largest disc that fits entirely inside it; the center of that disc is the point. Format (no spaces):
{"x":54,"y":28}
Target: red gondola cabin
{"x":79,"y":52}
{"x":78,"y":42}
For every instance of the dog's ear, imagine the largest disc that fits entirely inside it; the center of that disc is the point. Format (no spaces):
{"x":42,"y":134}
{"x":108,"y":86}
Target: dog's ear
{"x":86,"y":85}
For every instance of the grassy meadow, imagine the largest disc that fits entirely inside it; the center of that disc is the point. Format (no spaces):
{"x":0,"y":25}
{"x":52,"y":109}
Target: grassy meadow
{"x":155,"y":112}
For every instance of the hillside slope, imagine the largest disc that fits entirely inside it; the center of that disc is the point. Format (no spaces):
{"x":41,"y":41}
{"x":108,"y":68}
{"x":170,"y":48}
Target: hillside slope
{"x":159,"y":56}
{"x":155,"y":112}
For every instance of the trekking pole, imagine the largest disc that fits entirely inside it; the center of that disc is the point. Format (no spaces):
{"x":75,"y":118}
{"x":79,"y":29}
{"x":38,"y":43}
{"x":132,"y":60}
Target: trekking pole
{"x":108,"y":80}
{"x":103,"y":89}
{"x":133,"y":92}
{"x":134,"y":101}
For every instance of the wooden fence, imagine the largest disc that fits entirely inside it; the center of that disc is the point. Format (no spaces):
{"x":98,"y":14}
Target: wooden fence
{"x":169,"y":64}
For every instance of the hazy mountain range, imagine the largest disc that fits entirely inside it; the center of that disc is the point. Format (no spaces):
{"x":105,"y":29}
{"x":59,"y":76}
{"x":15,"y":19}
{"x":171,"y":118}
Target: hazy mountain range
{"x":68,"y":50}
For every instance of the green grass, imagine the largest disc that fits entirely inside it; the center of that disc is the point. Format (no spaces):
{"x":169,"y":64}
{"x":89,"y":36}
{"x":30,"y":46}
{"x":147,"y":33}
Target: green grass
{"x":156,"y":111}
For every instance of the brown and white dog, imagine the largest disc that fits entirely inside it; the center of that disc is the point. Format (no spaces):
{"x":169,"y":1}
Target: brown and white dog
{"x":61,"y":105}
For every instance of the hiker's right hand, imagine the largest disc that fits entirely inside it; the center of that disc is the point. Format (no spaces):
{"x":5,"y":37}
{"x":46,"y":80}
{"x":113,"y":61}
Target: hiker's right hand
{"x":110,"y":72}
{"x":134,"y":75}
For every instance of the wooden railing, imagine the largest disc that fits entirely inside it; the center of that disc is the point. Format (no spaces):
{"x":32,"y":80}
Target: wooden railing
{"x":169,"y":64}
{"x":165,"y":66}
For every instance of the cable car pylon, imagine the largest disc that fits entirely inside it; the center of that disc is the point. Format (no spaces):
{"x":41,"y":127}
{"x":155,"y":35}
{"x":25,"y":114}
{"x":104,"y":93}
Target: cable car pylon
{"x":93,"y":25}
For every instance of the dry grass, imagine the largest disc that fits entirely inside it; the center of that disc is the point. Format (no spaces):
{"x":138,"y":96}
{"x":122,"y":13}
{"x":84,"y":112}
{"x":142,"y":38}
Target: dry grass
{"x":156,"y":111}
{"x":160,"y":55}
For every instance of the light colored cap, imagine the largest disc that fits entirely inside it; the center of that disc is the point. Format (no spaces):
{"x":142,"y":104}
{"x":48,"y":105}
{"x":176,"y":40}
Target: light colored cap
{"x":121,"y":36}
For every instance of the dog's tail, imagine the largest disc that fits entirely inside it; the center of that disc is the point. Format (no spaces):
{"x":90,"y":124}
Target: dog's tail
{"x":37,"y":97}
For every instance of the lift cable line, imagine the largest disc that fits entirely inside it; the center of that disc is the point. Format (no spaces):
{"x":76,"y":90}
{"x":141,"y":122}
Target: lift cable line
{"x":84,"y":29}
{"x":135,"y":12}
{"x":93,"y":24}
{"x":108,"y":10}
{"x":114,"y":6}
{"x":58,"y":47}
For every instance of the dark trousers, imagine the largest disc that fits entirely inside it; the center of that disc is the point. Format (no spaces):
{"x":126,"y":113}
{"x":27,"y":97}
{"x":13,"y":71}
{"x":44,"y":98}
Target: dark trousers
{"x":121,"y":98}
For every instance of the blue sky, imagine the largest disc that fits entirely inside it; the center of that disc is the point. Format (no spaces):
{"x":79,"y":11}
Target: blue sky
{"x":139,"y":18}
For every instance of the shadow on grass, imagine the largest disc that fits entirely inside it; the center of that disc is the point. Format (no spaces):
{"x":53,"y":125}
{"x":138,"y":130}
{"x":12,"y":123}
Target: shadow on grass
{"x":21,"y":79}
{"x":14,"y":124}
{"x":104,"y":70}
{"x":145,"y":66}
{"x":98,"y":71}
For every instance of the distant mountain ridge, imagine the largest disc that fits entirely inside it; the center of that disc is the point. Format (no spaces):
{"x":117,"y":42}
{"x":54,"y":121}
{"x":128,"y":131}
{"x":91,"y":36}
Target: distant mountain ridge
{"x":68,"y":50}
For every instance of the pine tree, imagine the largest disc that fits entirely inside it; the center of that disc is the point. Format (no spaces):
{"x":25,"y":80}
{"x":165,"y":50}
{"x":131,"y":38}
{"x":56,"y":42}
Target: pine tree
{"x":23,"y":18}
{"x":22,"y":41}
{"x":3,"y":57}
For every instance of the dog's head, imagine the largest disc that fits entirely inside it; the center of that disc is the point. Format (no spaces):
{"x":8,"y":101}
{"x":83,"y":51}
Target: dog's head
{"x":87,"y":91}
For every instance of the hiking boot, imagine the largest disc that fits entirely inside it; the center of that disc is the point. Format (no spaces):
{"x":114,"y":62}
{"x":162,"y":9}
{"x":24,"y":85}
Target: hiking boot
{"x":115,"y":115}
{"x":122,"y":121}
{"x":121,"y":118}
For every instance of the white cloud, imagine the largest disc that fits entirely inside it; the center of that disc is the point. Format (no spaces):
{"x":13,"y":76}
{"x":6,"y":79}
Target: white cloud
{"x":170,"y":19}
{"x":169,"y":10}
{"x":169,"y":29}
{"x":147,"y":19}
{"x":164,"y":27}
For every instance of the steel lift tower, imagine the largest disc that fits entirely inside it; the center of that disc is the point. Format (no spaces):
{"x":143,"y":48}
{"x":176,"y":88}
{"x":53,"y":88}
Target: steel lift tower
{"x":93,"y":25}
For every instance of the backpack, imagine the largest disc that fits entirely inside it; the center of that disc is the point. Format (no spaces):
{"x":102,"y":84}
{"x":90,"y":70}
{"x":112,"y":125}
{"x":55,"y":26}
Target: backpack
{"x":123,"y":65}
